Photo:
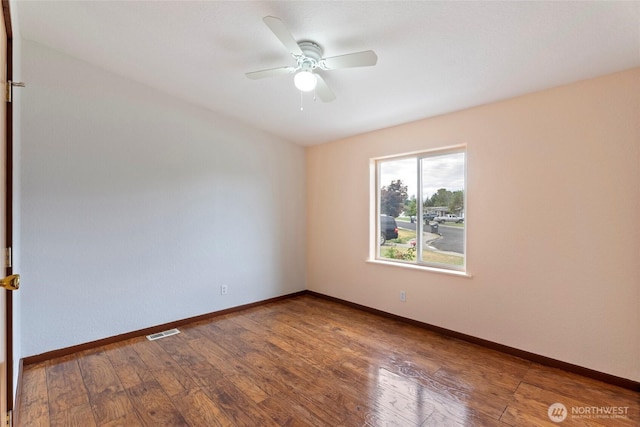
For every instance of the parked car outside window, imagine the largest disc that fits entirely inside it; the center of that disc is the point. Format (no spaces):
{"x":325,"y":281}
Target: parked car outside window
{"x":388,"y":229}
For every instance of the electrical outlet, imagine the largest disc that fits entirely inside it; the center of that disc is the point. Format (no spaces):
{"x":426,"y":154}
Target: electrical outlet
{"x":223,"y":289}
{"x":403,"y":296}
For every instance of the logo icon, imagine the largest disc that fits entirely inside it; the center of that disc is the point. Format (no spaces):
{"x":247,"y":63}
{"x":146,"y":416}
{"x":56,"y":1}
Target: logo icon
{"x":557,"y":412}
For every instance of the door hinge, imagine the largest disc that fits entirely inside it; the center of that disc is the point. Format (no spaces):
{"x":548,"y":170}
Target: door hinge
{"x":9,"y":418}
{"x":8,"y":92}
{"x":8,"y":258}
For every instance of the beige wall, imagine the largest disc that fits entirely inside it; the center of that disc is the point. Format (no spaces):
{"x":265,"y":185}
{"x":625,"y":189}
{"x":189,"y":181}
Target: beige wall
{"x":553,"y":221}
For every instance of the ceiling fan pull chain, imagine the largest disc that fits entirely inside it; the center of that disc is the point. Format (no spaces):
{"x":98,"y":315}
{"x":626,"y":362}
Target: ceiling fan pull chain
{"x":301,"y":98}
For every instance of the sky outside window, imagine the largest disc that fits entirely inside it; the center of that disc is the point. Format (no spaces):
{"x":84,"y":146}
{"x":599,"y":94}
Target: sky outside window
{"x":445,"y":171}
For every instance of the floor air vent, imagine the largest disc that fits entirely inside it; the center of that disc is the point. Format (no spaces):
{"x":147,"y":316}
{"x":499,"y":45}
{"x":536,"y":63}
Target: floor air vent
{"x":163,"y":334}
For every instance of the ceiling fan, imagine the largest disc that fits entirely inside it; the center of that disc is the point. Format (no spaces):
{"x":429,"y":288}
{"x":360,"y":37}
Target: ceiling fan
{"x":308,"y":57}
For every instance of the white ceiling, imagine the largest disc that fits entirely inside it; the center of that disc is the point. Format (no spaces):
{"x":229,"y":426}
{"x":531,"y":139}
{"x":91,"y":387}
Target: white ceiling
{"x":433,"y":57}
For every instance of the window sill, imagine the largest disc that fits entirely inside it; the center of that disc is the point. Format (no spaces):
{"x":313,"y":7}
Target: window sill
{"x":420,"y":267}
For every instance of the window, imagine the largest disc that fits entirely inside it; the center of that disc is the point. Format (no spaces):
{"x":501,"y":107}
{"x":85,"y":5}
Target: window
{"x":420,"y":209}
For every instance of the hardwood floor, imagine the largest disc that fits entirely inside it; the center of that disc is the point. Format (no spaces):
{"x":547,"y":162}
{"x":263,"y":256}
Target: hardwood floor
{"x":306,"y":361}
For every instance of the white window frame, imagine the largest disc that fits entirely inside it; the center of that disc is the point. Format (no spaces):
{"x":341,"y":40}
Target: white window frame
{"x":375,"y":210}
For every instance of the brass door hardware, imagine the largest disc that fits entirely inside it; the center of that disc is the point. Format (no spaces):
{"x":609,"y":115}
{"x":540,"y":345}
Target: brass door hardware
{"x":8,"y":92}
{"x":11,"y":283}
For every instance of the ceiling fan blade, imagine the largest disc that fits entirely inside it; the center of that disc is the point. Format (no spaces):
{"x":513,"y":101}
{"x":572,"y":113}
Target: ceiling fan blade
{"x":323,"y":91}
{"x":282,"y":33}
{"x":272,"y":72}
{"x":358,"y":59}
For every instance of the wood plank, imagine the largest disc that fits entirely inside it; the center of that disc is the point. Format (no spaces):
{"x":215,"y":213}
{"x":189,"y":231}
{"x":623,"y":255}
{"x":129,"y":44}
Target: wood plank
{"x":341,"y":400}
{"x":34,"y":407}
{"x":131,"y":370}
{"x":289,"y":415}
{"x":108,"y":399}
{"x":305,"y":361}
{"x":153,"y":405}
{"x":592,"y":392}
{"x":201,"y":373}
{"x":531,"y":405}
{"x":162,"y":366}
{"x":440,"y":419}
{"x":128,"y":420}
{"x":65,"y":386}
{"x":323,"y":399}
{"x":237,"y":406}
{"x":199,"y":410}
{"x":248,"y":388}
{"x":76,"y":416}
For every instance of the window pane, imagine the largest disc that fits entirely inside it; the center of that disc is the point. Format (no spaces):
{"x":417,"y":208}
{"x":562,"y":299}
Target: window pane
{"x":397,"y":184}
{"x":443,"y":181}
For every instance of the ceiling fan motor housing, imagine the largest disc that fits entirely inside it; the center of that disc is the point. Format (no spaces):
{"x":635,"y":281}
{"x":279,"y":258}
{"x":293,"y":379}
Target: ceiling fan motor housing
{"x":308,"y":57}
{"x":312,"y":54}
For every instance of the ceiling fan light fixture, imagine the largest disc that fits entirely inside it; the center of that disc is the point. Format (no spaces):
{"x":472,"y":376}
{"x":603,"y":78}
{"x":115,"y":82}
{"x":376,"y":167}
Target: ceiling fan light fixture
{"x":308,"y":56}
{"x":305,"y":81}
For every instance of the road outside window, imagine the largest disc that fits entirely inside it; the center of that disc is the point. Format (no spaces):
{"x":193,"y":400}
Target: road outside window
{"x":421,"y":209}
